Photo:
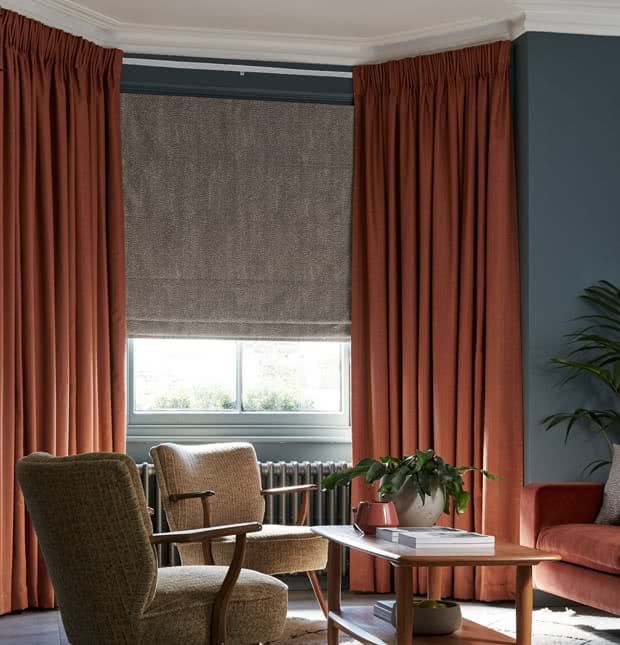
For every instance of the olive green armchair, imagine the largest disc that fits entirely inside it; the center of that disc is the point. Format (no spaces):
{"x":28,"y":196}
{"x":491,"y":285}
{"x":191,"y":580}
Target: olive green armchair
{"x":96,"y":536}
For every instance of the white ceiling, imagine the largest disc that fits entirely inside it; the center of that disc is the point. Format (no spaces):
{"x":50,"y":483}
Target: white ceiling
{"x":323,"y":31}
{"x":357,"y":19}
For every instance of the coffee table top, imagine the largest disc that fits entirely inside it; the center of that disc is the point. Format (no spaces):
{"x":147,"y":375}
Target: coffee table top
{"x":505,"y":554}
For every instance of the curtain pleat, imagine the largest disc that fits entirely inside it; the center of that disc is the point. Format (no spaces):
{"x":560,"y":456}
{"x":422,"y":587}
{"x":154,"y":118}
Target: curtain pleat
{"x":62,"y":286}
{"x":436,"y":345}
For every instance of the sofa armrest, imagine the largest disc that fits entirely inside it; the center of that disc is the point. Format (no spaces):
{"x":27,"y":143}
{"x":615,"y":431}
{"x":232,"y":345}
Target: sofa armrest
{"x":551,"y":504}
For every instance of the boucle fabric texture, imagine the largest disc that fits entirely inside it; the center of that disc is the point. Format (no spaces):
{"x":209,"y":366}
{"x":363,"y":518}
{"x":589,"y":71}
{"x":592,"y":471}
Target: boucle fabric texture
{"x":90,"y":516}
{"x":181,"y":609}
{"x":610,"y":508}
{"x":276,"y":549}
{"x":231,"y":470}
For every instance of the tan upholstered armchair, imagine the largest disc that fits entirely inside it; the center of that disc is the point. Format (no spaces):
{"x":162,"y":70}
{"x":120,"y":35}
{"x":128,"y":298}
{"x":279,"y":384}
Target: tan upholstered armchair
{"x":96,"y":536}
{"x":217,"y":484}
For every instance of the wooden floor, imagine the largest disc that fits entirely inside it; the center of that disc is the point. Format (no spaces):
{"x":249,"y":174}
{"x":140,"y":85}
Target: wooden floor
{"x":587,"y":627}
{"x":32,"y":627}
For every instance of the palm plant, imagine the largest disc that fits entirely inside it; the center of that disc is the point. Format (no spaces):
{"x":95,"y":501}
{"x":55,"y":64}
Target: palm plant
{"x":595,"y":355}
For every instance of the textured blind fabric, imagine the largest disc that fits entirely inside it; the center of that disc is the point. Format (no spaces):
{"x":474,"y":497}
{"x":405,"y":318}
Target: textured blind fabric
{"x":238,"y":217}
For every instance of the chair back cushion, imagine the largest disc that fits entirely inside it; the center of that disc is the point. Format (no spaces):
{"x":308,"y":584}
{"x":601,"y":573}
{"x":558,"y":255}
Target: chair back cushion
{"x":229,"y":469}
{"x":90,"y":517}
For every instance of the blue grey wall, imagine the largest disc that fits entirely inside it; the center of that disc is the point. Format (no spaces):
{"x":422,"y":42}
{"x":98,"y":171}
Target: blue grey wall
{"x":567,"y":120}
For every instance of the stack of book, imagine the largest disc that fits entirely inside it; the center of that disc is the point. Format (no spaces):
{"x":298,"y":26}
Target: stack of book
{"x":384,"y":609}
{"x":439,"y":540}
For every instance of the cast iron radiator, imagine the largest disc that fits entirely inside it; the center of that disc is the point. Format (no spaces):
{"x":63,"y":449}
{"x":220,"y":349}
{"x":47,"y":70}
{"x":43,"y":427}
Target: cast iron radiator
{"x":329,"y":507}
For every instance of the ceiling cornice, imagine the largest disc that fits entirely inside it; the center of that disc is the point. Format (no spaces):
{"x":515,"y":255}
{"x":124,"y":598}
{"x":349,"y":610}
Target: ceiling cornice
{"x":300,"y":48}
{"x":598,"y":18}
{"x":67,"y":15}
{"x":588,"y":18}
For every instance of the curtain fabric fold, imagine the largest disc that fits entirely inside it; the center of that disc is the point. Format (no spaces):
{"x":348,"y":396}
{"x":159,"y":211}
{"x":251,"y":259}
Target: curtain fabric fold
{"x":62,"y":285}
{"x":436,"y":345}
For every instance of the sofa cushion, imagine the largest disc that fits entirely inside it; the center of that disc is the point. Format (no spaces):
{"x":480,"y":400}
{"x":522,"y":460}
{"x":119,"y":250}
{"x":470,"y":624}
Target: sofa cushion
{"x":596,"y":546}
{"x":610,"y":508}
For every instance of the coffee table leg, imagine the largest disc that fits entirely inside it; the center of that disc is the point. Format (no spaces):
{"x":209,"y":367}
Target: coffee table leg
{"x":404,"y":605}
{"x":524,"y":605}
{"x":334,"y":586}
{"x":433,"y":583}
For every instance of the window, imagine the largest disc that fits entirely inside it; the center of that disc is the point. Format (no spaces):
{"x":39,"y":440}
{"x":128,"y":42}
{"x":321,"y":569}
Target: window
{"x":223,"y":383}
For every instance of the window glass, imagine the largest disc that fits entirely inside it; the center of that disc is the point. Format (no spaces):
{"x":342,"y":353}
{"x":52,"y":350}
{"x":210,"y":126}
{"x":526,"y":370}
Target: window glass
{"x":291,"y":376}
{"x":243,"y":377}
{"x":184,"y":374}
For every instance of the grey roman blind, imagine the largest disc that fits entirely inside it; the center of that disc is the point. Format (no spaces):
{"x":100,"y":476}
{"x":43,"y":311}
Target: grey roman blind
{"x":238,"y":217}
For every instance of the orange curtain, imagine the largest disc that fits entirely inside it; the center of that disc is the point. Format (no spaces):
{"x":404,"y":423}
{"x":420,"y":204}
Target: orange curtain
{"x":435,"y":322}
{"x":62,"y":283}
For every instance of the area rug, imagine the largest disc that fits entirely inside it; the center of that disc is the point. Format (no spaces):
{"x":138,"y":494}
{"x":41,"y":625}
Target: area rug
{"x":551,"y":626}
{"x":306,"y":631}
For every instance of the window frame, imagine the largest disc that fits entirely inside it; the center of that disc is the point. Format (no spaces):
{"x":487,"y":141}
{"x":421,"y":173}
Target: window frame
{"x":238,"y":424}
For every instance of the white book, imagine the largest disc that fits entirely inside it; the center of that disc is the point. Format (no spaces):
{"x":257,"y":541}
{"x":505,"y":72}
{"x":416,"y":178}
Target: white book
{"x":383,"y":609}
{"x":388,"y":534}
{"x":463,"y":549}
{"x":435,"y":536}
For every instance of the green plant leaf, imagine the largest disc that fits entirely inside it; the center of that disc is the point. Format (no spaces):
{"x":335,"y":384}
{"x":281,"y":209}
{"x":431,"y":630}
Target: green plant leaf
{"x":594,"y":354}
{"x":593,"y":466}
{"x":422,"y":458}
{"x":424,"y":471}
{"x":400,"y":478}
{"x":375,"y":472}
{"x":461,"y":501}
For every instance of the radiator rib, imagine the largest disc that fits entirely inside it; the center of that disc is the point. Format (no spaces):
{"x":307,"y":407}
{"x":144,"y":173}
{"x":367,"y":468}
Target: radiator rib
{"x":329,"y":507}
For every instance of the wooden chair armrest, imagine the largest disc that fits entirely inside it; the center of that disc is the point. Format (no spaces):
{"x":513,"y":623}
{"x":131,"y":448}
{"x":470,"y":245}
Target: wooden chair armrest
{"x":302,"y":488}
{"x":200,"y":494}
{"x":198,"y":535}
{"x":203,"y":496}
{"x":222,"y":598}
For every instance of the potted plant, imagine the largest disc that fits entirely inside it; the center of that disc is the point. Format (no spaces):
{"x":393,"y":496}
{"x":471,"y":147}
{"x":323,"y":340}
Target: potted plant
{"x":422,"y":486}
{"x":595,"y":355}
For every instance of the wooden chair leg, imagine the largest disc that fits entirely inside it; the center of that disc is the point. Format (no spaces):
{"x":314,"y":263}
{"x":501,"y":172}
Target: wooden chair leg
{"x":316,"y":587}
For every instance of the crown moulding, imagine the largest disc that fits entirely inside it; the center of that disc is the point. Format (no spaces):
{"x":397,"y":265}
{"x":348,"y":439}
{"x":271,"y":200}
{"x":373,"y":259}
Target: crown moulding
{"x":563,"y":16}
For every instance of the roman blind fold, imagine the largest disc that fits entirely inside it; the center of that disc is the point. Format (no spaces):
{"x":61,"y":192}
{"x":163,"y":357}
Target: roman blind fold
{"x":238,"y":217}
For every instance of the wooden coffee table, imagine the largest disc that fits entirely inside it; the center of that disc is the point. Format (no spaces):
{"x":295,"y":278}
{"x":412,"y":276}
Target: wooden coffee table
{"x":366,"y":628}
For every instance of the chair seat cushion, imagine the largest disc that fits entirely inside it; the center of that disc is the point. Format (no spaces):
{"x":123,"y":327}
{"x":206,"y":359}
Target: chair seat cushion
{"x":596,"y":546}
{"x":276,"y":549}
{"x":182,"y":606}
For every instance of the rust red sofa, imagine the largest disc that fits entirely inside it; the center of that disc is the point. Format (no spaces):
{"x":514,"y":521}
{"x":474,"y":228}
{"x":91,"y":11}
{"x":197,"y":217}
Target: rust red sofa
{"x":560,"y":518}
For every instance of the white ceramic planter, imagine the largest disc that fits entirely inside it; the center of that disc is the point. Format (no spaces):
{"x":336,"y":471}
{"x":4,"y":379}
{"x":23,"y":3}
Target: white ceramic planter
{"x":412,"y":511}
